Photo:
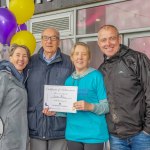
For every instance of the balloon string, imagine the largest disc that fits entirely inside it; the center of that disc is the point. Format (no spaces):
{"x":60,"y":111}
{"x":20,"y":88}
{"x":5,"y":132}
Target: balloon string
{"x":18,"y":28}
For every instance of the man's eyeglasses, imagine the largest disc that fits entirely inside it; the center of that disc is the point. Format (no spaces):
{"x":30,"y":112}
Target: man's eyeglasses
{"x":52,"y":38}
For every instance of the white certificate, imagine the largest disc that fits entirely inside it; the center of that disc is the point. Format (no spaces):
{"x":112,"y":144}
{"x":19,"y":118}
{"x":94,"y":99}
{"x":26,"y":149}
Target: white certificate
{"x":60,"y":98}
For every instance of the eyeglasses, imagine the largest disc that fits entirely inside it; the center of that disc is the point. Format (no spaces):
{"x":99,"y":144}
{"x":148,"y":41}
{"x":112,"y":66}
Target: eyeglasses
{"x":52,"y":38}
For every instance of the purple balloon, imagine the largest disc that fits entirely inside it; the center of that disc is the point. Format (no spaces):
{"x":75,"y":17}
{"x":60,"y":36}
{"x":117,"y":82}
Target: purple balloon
{"x":8,"y":25}
{"x":21,"y":27}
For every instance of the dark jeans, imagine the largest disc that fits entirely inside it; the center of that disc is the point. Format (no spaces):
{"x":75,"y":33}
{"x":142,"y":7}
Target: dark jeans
{"x":84,"y":146}
{"x":140,"y":141}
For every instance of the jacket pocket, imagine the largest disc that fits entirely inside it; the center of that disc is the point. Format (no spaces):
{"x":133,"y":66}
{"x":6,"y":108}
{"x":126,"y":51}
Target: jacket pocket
{"x":59,"y":124}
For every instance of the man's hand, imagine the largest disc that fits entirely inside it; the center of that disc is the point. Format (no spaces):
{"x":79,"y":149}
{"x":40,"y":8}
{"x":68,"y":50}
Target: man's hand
{"x":46,"y":112}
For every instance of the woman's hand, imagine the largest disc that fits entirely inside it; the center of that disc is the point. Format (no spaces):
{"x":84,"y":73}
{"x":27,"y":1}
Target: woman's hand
{"x":46,"y":112}
{"x":82,"y":105}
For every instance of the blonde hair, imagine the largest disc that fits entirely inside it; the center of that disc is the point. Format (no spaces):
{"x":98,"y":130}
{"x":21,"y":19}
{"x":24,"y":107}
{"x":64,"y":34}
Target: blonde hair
{"x":13,"y":47}
{"x":81,"y":44}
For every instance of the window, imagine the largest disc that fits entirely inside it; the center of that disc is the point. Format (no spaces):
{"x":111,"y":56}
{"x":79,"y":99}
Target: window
{"x":82,"y":23}
{"x":124,"y":15}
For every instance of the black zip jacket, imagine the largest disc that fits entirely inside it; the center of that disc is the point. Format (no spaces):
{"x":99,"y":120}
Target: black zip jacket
{"x":127,"y":79}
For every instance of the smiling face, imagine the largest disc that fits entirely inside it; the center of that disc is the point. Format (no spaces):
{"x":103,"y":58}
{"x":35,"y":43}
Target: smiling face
{"x":19,"y":58}
{"x":109,"y":41}
{"x":50,"y":41}
{"x":80,"y":58}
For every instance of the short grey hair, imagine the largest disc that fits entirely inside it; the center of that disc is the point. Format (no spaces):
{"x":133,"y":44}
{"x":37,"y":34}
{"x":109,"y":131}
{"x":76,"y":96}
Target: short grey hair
{"x":107,"y":27}
{"x":54,"y":29}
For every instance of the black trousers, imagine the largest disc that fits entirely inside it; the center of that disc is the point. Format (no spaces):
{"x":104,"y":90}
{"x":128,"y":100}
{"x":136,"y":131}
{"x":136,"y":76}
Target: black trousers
{"x":84,"y":146}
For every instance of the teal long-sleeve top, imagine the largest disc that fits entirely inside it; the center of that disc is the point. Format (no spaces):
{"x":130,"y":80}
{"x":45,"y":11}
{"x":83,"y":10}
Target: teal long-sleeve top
{"x":87,"y":126}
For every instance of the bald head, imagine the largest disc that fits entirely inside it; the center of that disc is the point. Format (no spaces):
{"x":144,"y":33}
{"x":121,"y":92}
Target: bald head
{"x":51,"y":29}
{"x":108,"y":27}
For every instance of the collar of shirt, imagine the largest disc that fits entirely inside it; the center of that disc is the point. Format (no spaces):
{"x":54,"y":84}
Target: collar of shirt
{"x":48,"y":61}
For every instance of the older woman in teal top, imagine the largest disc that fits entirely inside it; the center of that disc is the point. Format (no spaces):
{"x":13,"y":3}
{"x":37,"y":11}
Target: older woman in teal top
{"x":86,"y":129}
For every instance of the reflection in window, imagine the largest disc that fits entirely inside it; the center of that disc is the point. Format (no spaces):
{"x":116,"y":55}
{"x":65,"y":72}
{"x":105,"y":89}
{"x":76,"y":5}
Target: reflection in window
{"x":66,"y":46}
{"x":140,"y":44}
{"x":124,"y":15}
{"x":90,"y":20}
{"x":97,"y":56}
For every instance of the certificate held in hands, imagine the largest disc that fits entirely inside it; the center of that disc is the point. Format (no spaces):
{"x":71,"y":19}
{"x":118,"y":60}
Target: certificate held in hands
{"x":60,"y":98}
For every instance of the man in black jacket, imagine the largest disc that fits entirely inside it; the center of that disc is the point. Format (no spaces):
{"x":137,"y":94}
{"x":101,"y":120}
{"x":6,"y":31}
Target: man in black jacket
{"x":127,"y":78}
